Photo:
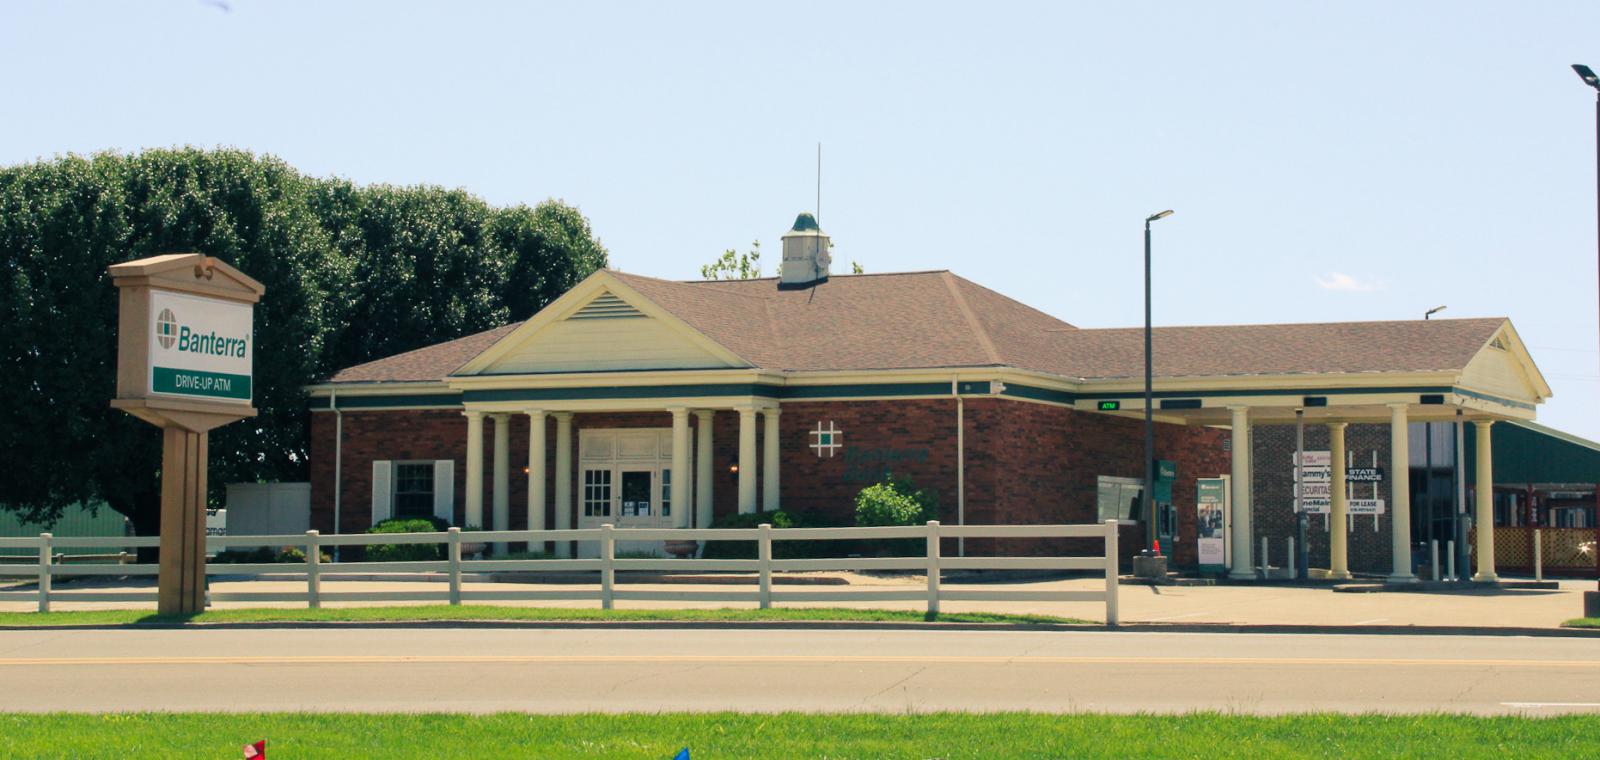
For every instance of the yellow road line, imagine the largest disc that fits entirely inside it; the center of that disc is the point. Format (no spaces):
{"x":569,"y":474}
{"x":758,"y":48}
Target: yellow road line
{"x":782,"y":659}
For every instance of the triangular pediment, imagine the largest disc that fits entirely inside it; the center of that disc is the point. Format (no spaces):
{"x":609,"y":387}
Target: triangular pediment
{"x":601,"y":326}
{"x":1504,"y":368}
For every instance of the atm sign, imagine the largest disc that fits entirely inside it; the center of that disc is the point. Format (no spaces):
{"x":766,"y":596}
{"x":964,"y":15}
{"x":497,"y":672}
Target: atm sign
{"x":1110,"y":406}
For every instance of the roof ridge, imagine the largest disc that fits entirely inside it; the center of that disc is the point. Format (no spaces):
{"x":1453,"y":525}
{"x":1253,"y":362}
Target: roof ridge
{"x":971,"y":318}
{"x":1456,"y":320}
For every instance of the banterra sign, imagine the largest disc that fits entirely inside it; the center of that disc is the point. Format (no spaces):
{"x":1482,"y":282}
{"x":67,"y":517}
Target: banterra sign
{"x":200,"y":347}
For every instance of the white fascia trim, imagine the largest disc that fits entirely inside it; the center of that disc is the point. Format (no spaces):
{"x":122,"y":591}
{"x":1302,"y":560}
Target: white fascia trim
{"x":323,"y":390}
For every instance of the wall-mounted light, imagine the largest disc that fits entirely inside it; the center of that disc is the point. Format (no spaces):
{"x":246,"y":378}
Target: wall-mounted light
{"x":734,"y":468}
{"x":524,"y":471}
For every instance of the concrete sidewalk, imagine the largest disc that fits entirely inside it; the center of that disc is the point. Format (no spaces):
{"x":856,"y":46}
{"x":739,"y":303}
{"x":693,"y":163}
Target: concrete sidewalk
{"x":1239,"y":605}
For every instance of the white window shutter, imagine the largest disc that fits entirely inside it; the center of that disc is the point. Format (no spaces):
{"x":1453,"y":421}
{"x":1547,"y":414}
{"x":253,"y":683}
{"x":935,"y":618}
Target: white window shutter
{"x":382,"y":490}
{"x":444,"y":490}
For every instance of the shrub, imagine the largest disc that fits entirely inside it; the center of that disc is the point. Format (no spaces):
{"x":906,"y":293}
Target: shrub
{"x":407,"y":552}
{"x":895,"y":501}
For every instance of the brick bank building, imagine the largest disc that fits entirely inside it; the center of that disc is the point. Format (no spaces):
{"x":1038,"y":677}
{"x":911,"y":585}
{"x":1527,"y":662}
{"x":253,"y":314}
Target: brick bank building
{"x":644,"y":402}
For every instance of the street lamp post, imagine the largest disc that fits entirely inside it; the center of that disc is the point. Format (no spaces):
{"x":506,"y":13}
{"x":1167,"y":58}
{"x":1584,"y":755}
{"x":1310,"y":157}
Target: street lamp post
{"x":1589,"y":78}
{"x":1149,"y":420}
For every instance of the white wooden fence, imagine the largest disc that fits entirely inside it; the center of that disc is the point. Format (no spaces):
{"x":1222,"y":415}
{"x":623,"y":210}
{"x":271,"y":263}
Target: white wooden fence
{"x":608,"y":591}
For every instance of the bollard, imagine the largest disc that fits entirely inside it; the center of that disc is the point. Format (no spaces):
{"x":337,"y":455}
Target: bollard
{"x":1290,"y":557}
{"x":1538,"y":556}
{"x":1265,"y":564}
{"x":1112,"y":570}
{"x":1433,"y":547}
{"x":1450,"y":560}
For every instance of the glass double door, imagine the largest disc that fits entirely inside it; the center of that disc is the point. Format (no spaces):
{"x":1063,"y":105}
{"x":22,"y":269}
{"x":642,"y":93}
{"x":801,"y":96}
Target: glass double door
{"x":624,"y":495}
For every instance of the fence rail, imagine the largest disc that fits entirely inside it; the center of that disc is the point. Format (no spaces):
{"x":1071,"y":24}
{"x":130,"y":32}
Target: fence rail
{"x":607,"y":591}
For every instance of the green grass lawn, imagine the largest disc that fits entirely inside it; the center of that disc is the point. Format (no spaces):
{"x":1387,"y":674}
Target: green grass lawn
{"x":1583,"y":623}
{"x":489,"y":612}
{"x":794,"y":735}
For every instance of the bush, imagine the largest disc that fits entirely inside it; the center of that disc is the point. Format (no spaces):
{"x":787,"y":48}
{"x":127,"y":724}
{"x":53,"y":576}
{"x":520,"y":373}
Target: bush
{"x":263,"y":555}
{"x":407,"y":552}
{"x":895,"y":501}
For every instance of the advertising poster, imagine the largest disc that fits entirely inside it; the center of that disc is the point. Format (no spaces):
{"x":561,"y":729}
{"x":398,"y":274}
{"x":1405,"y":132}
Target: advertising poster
{"x":1211,"y":523}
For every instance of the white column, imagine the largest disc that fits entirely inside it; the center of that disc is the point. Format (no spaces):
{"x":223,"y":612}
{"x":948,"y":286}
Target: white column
{"x":1339,"y":509}
{"x":1242,"y":568}
{"x":502,"y":477}
{"x":564,"y":505}
{"x":682,"y":500}
{"x":1484,"y":522}
{"x":536,"y":471}
{"x":1400,"y":494}
{"x":769,"y":462}
{"x":474,"y":512}
{"x":747,"y":460}
{"x":702,"y":464}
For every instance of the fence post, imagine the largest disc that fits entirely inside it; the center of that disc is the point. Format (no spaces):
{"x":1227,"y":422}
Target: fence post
{"x":45,"y":558}
{"x":764,"y":557}
{"x":313,"y":570}
{"x":608,"y":568}
{"x":1538,"y":556}
{"x":933,"y":568}
{"x":1112,"y":573}
{"x":453,"y":553}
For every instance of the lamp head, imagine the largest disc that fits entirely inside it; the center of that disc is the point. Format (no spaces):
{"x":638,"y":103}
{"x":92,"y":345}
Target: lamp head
{"x":1433,"y":311}
{"x":1587,"y":74}
{"x":1159,"y":215}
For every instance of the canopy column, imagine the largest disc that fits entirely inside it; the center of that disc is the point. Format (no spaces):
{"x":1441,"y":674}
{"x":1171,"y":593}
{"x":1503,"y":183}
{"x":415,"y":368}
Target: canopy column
{"x":1484,"y":520}
{"x":474,"y":511}
{"x":769,"y":461}
{"x":747,"y":460}
{"x":536,"y":470}
{"x":1400,"y":485}
{"x":564,"y":506}
{"x":502,"y":479}
{"x":1338,"y":507}
{"x":682,"y":496}
{"x":1242,"y":568}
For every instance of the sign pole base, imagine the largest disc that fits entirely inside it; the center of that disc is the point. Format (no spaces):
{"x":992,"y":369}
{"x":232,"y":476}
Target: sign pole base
{"x":182,"y":577}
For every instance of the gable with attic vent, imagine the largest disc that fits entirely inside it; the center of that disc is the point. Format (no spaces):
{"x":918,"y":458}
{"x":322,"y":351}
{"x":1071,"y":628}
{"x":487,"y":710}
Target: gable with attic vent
{"x":606,"y":333}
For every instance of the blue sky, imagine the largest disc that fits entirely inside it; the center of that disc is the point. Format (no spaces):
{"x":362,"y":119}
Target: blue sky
{"x":1327,"y":162}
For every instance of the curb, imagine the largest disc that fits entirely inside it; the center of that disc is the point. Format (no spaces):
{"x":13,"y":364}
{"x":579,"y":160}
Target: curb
{"x":843,"y":625}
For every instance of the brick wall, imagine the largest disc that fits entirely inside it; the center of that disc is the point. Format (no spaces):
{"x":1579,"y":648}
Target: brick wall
{"x":1273,"y":452}
{"x":1025,"y":462}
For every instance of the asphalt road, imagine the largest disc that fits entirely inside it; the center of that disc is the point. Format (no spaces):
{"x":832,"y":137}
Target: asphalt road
{"x":565,"y":670}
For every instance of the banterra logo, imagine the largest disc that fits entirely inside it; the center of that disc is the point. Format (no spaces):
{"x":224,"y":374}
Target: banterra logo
{"x":170,"y":333}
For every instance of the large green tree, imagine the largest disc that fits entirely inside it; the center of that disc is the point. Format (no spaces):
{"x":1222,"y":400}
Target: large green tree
{"x":352,"y":273}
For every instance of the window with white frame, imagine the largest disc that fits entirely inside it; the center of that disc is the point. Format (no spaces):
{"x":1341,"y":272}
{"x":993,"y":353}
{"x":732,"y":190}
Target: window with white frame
{"x":666,"y":492}
{"x":597,"y":493}
{"x":413,"y":489}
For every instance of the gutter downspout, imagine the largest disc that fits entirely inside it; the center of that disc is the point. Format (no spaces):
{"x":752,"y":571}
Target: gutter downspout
{"x":338,"y":460}
{"x":961,"y":466}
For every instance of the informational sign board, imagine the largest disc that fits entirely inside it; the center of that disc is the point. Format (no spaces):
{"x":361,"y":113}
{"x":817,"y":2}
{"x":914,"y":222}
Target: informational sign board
{"x":1313,"y":481}
{"x":1211,"y":523}
{"x":1364,"y":474}
{"x":200,"y":347}
{"x":1366,"y":506}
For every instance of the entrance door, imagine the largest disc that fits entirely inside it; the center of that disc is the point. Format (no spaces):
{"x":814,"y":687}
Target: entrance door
{"x":638,"y":497}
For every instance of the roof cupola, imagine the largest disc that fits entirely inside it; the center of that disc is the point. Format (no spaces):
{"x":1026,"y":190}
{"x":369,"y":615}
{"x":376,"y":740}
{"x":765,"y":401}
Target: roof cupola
{"x":805,"y":254}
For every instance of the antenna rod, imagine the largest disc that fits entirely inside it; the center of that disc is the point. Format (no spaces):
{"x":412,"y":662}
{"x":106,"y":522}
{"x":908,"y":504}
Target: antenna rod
{"x":819,"y":183}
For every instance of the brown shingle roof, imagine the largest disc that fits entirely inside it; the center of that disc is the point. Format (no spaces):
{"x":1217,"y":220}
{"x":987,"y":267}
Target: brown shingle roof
{"x":923,"y":320}
{"x":429,"y":363}
{"x":1336,"y":347}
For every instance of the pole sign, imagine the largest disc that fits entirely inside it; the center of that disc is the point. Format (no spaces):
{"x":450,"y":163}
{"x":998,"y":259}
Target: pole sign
{"x":1211,"y":523}
{"x":200,"y":347}
{"x":1313,"y":482}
